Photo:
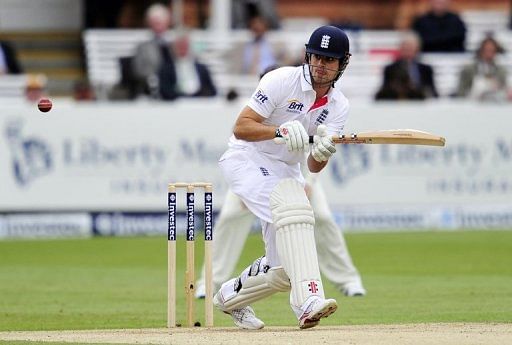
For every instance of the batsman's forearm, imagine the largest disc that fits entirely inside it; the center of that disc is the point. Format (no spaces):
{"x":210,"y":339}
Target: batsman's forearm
{"x":250,"y":130}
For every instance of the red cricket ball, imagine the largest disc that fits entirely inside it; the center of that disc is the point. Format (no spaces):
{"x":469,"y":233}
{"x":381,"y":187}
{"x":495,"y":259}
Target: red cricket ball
{"x":44,"y":105}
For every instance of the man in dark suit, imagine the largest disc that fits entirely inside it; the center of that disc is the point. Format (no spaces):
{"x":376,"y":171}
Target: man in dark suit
{"x":153,"y":62}
{"x":167,"y":71}
{"x":407,"y":78}
{"x":440,"y":30}
{"x":190,"y":78}
{"x":8,"y":60}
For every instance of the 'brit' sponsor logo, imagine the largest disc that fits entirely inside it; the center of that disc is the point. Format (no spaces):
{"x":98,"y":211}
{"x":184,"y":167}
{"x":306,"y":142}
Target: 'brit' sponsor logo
{"x":295,"y":106}
{"x":260,"y":96}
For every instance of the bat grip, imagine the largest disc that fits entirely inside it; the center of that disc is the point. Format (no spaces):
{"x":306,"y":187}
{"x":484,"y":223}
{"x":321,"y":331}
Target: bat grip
{"x":281,"y":140}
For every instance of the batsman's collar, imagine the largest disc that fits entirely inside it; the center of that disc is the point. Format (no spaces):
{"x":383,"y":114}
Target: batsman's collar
{"x":305,"y":82}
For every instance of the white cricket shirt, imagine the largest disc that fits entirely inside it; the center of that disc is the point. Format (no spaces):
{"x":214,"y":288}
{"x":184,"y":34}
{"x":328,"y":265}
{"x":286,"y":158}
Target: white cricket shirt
{"x":286,"y":94}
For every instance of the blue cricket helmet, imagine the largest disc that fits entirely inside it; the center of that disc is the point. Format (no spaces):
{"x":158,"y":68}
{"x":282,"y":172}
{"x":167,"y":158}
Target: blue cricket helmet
{"x":328,"y":41}
{"x":332,"y":42}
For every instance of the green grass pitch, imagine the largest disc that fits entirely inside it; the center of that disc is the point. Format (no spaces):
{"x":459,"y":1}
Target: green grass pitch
{"x":103,"y":283}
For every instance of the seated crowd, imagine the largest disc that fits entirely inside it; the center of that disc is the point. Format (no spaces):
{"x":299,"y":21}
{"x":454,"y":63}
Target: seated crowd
{"x":163,"y":69}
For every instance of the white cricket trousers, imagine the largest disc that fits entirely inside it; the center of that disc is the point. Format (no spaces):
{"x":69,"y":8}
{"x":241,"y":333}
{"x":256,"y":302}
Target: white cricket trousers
{"x":233,"y":226}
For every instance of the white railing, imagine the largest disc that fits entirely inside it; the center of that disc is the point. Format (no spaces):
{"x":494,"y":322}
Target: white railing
{"x":13,"y":86}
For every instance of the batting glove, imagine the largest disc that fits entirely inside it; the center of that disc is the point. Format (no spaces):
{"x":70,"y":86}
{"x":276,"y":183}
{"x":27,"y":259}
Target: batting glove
{"x":295,"y":136}
{"x":323,"y":146}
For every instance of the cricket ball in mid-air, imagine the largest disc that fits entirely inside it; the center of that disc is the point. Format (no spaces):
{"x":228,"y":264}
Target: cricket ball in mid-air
{"x":44,"y":105}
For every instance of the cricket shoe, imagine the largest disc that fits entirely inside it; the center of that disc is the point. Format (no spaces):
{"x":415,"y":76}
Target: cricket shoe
{"x":317,"y":309}
{"x":200,"y":291}
{"x":244,"y":318}
{"x":354,"y":289}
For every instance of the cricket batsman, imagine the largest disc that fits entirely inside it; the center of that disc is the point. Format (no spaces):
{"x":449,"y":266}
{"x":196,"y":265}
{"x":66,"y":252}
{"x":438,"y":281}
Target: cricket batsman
{"x":289,"y":105}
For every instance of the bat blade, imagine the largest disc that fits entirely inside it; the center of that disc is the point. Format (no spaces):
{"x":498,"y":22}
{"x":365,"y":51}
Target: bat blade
{"x":388,"y":136}
{"x":391,"y":136}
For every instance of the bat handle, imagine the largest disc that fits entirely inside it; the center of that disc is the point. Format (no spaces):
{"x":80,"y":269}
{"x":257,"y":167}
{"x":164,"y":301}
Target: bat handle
{"x":281,"y":140}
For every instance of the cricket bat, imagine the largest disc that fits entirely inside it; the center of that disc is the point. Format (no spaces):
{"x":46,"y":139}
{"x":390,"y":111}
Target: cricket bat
{"x":388,"y":136}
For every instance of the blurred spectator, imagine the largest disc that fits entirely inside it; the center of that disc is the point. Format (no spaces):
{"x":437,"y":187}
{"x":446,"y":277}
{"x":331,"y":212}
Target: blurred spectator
{"x":36,"y":87}
{"x":8,"y":60}
{"x":440,"y":30}
{"x":129,"y":86}
{"x":193,"y":78}
{"x":255,"y":56}
{"x":153,"y":63}
{"x":407,"y":78}
{"x":82,"y":91}
{"x":244,"y":10}
{"x":484,"y":79}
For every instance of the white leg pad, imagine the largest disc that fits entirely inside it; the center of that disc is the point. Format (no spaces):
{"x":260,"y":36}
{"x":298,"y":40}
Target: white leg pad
{"x":253,"y":288}
{"x":294,"y":223}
